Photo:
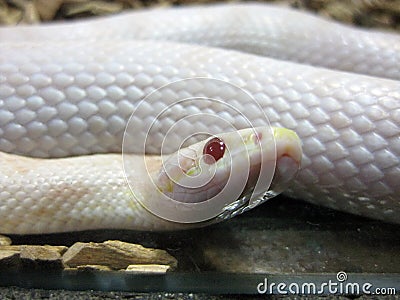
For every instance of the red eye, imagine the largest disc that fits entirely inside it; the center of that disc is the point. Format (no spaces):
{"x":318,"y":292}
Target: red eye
{"x":214,"y":147}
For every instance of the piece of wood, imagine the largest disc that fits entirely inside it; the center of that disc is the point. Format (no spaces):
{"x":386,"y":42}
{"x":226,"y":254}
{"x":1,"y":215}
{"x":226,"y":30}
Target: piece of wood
{"x":60,"y":249}
{"x":5,"y":240}
{"x":115,"y":254}
{"x":15,"y":257}
{"x":147,"y":269}
{"x":40,"y":257}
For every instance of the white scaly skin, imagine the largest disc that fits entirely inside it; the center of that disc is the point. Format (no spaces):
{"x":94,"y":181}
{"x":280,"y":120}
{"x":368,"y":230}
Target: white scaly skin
{"x":66,"y":97}
{"x":265,"y":30}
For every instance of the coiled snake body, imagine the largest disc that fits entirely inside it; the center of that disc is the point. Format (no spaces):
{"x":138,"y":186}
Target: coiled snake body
{"x":70,"y":89}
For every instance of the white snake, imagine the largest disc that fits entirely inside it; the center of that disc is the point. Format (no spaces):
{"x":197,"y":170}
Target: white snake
{"x":69,"y":89}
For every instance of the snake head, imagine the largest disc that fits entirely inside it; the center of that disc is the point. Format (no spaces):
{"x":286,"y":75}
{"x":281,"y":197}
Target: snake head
{"x":227,"y":174}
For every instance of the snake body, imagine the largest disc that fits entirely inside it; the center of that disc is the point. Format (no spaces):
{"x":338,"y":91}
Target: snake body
{"x":70,"y":89}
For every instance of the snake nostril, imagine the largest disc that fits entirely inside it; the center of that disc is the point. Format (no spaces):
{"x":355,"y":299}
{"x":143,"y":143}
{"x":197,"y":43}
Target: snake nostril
{"x":214,"y":147}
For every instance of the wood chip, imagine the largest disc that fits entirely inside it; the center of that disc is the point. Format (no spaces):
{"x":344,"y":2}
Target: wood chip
{"x":60,"y":249}
{"x":5,"y":240}
{"x":107,"y":256}
{"x":92,"y":8}
{"x":39,"y":253}
{"x":116,"y":255}
{"x":40,"y":257}
{"x":4,"y":254}
{"x":147,"y":269}
{"x":10,"y":16}
{"x":31,"y":257}
{"x":47,"y":10}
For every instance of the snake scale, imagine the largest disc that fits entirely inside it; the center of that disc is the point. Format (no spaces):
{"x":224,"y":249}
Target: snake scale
{"x":70,"y":89}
